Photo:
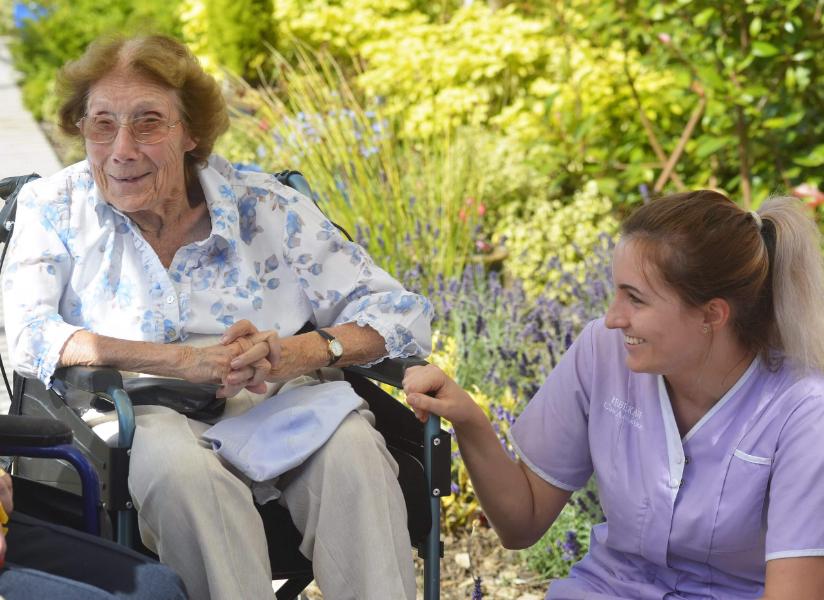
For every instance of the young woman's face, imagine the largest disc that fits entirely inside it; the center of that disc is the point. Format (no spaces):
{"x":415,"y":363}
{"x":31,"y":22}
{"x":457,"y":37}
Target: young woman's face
{"x":662,"y":335}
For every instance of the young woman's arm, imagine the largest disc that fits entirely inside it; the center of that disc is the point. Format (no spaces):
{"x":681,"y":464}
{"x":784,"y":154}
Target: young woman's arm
{"x":800,"y":578}
{"x":519,"y":504}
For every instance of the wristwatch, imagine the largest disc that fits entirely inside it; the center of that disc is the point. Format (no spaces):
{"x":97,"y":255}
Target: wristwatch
{"x":335,"y":348}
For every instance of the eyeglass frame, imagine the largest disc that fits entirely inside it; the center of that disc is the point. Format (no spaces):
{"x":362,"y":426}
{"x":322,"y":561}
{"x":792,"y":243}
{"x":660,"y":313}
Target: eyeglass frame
{"x":130,"y":126}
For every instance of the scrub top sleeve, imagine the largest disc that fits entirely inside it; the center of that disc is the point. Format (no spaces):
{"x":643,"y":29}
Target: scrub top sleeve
{"x":550,"y":436}
{"x":795,"y":526}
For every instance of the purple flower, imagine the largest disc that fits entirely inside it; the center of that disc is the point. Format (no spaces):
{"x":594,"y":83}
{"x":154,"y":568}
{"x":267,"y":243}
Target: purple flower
{"x":570,"y":547}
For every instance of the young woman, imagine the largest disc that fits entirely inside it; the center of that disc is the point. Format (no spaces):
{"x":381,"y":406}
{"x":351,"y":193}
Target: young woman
{"x":698,"y":404}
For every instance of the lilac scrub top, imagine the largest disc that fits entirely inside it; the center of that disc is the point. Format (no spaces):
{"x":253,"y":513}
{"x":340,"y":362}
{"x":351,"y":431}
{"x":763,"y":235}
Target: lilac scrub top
{"x":686,"y":518}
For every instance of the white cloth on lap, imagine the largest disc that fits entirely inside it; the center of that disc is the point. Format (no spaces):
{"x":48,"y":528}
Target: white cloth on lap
{"x":282,"y":431}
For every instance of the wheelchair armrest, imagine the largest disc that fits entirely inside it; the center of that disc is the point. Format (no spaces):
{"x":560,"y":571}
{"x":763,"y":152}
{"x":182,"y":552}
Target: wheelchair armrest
{"x":88,"y":379}
{"x":33,"y":432}
{"x":81,"y":385}
{"x":389,"y":370}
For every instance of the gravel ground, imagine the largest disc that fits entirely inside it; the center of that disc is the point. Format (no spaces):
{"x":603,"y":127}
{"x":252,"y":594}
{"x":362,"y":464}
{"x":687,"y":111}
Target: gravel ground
{"x":503,"y":576}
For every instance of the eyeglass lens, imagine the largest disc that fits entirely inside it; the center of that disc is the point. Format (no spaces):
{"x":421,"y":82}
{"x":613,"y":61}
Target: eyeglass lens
{"x":148,"y":129}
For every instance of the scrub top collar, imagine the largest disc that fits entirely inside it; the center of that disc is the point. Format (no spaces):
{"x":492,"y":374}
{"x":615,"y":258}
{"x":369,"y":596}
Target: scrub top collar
{"x":675,"y":444}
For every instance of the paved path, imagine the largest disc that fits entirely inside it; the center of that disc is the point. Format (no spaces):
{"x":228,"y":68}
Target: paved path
{"x":23,"y":149}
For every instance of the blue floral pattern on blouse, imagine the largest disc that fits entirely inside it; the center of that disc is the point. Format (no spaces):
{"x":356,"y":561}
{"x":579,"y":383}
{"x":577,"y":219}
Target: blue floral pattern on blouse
{"x":76,"y":262}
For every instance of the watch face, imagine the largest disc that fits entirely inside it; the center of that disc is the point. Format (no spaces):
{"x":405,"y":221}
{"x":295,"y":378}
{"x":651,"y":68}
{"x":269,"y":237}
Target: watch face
{"x":336,"y":347}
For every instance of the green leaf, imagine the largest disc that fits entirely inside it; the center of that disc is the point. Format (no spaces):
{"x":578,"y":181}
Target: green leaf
{"x":707,"y":145}
{"x":704,"y":17}
{"x":785,"y":121}
{"x":814,"y":159}
{"x":755,"y":27}
{"x":764,"y":49}
{"x":709,"y":75}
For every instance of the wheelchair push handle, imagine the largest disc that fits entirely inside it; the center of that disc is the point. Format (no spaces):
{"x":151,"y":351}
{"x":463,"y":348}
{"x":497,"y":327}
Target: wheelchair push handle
{"x":9,"y":188}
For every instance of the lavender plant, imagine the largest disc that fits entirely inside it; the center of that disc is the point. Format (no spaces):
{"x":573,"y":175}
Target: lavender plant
{"x":411,"y":202}
{"x":506,"y":339}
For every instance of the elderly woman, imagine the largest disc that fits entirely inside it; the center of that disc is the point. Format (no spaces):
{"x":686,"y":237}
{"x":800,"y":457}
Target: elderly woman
{"x":152,"y":241}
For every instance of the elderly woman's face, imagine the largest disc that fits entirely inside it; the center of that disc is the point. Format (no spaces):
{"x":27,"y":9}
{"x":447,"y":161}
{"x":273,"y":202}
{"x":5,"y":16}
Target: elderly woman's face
{"x":134,"y":176}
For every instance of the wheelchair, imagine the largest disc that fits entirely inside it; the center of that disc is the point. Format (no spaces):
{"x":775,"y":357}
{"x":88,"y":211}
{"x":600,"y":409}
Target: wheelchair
{"x":97,"y":499}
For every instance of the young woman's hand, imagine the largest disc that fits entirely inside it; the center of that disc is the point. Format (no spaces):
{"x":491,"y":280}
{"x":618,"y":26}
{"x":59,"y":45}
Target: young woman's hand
{"x":7,"y":500}
{"x":430,"y":390}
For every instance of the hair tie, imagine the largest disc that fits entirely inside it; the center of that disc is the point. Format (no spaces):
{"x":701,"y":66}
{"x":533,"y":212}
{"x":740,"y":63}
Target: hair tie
{"x":757,"y":218}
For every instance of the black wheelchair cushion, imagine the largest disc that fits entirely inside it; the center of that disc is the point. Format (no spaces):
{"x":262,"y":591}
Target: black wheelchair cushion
{"x":195,"y":400}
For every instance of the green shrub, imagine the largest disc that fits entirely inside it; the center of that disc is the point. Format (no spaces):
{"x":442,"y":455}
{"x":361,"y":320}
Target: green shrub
{"x":557,"y":241}
{"x":42,"y":46}
{"x":230,"y":34}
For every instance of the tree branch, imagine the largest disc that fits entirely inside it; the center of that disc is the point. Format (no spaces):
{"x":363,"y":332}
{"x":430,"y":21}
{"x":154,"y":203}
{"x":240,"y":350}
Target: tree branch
{"x":682,"y":142}
{"x":743,"y":157}
{"x":653,"y":139}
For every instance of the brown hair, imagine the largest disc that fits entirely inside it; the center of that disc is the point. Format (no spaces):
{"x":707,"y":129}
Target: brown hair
{"x":161,"y":59}
{"x":767,"y":266}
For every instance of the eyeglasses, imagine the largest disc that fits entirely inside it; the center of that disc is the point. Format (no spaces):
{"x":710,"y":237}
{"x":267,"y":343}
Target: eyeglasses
{"x":146,"y":129}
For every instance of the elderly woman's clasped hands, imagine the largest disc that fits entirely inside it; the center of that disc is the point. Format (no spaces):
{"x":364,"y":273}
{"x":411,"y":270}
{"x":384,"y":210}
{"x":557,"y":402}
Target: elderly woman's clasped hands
{"x":253,"y":359}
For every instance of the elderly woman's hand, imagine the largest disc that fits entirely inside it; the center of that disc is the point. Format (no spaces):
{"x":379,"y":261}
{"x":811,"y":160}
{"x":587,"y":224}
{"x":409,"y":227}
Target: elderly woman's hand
{"x":214,"y":364}
{"x":257,"y":344}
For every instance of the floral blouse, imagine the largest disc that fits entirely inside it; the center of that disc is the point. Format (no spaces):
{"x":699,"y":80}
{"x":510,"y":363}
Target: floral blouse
{"x":76,"y":262}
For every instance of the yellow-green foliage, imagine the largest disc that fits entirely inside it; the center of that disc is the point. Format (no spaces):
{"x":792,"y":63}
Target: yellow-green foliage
{"x":480,"y":66}
{"x":342,"y":27}
{"x":557,"y":239}
{"x":229,"y":34}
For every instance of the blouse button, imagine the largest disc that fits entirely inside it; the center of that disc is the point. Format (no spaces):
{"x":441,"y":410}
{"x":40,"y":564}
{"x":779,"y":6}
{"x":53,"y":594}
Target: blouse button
{"x":170,"y":299}
{"x":686,"y":460}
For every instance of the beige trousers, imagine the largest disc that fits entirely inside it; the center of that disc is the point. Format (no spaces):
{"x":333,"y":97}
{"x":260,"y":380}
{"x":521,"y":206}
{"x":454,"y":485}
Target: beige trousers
{"x":200,"y":519}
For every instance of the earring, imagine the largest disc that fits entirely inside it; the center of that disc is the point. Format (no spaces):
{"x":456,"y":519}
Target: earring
{"x":705,"y":328}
